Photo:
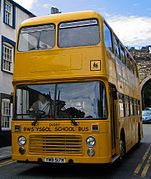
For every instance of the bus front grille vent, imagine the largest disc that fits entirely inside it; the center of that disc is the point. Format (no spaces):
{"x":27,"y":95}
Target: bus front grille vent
{"x":57,"y":144}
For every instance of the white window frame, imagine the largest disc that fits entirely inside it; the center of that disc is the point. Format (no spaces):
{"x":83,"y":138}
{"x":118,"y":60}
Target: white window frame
{"x":8,"y":19}
{"x":6,"y":114}
{"x":8,"y":57}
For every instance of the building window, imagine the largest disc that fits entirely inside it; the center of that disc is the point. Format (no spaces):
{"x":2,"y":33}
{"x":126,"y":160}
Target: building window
{"x":8,"y":51}
{"x":6,"y":114}
{"x":8,"y":48}
{"x":9,"y":14}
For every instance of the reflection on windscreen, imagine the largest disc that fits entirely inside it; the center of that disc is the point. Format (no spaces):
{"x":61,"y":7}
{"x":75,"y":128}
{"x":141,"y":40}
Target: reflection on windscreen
{"x":63,"y":100}
{"x":36,"y":38}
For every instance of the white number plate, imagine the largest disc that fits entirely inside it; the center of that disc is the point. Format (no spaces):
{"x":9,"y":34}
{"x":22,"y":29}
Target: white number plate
{"x":54,"y":160}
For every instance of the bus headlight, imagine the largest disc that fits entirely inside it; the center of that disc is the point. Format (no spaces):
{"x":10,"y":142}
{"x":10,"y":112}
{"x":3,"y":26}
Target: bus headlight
{"x":91,"y":152}
{"x":21,"y":140}
{"x":90,"y":141}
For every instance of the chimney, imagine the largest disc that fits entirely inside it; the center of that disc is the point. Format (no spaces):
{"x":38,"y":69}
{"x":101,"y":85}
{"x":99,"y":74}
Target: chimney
{"x":54,"y":10}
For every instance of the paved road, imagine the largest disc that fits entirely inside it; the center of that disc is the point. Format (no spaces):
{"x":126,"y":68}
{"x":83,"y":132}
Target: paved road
{"x":136,"y":165}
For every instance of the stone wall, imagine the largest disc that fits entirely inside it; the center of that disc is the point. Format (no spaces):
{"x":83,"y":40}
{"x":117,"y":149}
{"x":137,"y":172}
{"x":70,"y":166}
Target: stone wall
{"x":143,"y":59}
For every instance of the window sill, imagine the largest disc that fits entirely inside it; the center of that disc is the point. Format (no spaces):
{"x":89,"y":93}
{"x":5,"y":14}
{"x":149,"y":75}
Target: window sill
{"x":11,"y":26}
{"x":9,"y":72}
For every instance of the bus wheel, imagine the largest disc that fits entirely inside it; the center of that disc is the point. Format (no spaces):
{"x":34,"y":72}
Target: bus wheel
{"x":122,"y":148}
{"x":139,"y":136}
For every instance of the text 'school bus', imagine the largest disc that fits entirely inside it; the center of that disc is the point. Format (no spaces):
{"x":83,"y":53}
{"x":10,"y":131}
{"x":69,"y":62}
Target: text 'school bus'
{"x":76,"y":92}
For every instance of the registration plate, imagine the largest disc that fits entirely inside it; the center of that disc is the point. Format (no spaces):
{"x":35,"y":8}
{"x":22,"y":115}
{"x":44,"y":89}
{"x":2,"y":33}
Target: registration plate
{"x":54,"y":160}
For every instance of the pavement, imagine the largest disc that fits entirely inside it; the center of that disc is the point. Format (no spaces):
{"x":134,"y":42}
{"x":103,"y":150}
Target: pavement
{"x":5,"y":153}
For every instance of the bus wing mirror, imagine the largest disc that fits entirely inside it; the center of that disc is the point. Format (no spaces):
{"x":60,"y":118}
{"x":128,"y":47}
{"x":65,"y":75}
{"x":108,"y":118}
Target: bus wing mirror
{"x":11,"y":98}
{"x":114,"y":93}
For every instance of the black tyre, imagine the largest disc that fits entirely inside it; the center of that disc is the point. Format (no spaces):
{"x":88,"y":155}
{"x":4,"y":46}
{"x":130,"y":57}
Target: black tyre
{"x":122,"y":148}
{"x":139,"y":137}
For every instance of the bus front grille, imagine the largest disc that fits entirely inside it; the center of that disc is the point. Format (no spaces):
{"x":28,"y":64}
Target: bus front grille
{"x":57,"y":144}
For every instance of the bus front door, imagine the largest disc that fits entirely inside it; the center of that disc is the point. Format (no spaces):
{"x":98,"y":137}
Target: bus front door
{"x":113,"y":98}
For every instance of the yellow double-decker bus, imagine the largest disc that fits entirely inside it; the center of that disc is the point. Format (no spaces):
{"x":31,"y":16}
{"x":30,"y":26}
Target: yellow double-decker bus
{"x":76,"y":92}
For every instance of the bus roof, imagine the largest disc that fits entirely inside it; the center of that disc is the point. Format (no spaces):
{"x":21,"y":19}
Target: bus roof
{"x":54,"y":18}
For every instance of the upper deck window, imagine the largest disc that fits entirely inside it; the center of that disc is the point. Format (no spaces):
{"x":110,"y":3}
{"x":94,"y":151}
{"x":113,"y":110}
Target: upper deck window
{"x":36,"y":38}
{"x":108,"y":37}
{"x":79,"y":33}
{"x":116,"y":46}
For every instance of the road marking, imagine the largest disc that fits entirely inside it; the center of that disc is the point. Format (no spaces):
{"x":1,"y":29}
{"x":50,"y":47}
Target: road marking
{"x":145,"y":170}
{"x":6,"y":163}
{"x":139,"y":166}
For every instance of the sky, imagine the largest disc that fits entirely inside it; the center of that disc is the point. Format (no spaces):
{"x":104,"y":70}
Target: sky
{"x":130,"y":19}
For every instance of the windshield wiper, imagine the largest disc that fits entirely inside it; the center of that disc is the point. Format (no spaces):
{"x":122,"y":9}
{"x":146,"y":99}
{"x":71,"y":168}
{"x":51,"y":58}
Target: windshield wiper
{"x":34,"y":123}
{"x":37,"y":114}
{"x":73,"y":122}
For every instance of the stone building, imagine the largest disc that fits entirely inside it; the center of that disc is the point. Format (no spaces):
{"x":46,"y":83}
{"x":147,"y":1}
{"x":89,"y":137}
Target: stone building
{"x":11,"y":15}
{"x":143,"y":59}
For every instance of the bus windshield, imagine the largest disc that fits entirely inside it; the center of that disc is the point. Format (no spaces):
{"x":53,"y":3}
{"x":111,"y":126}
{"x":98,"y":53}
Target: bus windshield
{"x":62,"y":100}
{"x":36,"y":38}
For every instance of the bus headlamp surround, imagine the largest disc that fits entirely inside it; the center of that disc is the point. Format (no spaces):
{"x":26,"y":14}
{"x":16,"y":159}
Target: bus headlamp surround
{"x":91,"y":152}
{"x":21,"y":140}
{"x":90,"y":141}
